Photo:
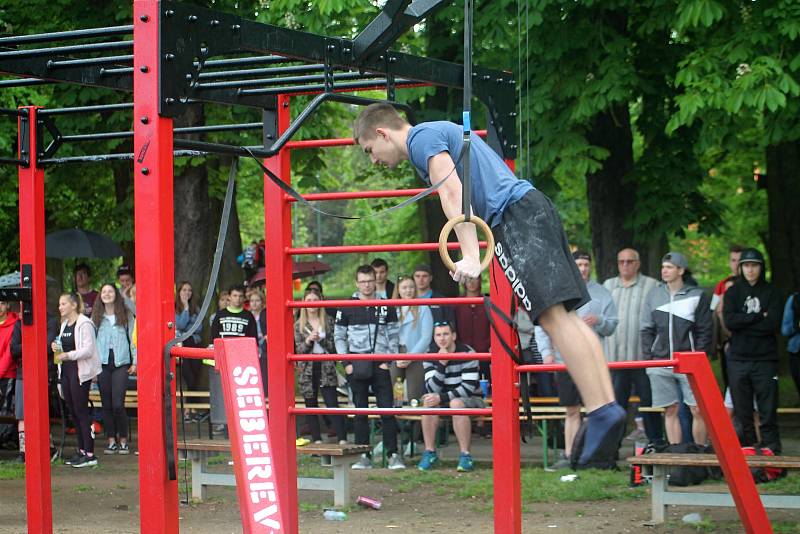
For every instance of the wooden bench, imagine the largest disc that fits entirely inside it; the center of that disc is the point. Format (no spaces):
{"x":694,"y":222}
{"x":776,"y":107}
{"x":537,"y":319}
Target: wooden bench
{"x":339,"y":457}
{"x":661,"y":496}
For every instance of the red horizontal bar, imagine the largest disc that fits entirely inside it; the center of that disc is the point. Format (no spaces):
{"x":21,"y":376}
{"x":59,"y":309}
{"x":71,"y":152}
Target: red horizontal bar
{"x":348,"y":195}
{"x":354,"y":303}
{"x":320,"y":143}
{"x":550,"y":367}
{"x":192,"y":353}
{"x":361,"y":249}
{"x":340,"y":141}
{"x":482,"y":356}
{"x":391,"y":411}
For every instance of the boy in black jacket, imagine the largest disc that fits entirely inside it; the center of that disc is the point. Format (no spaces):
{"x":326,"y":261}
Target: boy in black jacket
{"x":752,"y":312}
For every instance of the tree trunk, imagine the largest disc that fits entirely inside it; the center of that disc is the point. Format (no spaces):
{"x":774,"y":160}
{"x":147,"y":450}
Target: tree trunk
{"x":192,"y":224}
{"x":611,"y":196}
{"x":783,"y":191}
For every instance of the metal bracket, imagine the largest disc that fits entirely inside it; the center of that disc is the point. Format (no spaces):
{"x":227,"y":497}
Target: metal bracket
{"x":190,"y":36}
{"x":25,"y":139}
{"x":54,"y":145}
{"x":23,"y":294}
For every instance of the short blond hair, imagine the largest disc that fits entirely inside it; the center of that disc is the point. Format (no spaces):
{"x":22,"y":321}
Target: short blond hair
{"x":379,"y":115}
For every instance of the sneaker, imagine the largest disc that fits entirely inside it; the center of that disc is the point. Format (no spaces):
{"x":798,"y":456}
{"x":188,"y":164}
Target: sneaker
{"x":111,"y":449}
{"x":429,"y":459}
{"x":363,"y":463}
{"x":342,"y":442}
{"x":75,"y":458}
{"x":218,"y":430}
{"x":637,"y":434}
{"x":395,"y":462}
{"x":20,"y":458}
{"x":464,"y":462}
{"x":86,"y":461}
{"x":563,"y":463}
{"x":123,"y":449}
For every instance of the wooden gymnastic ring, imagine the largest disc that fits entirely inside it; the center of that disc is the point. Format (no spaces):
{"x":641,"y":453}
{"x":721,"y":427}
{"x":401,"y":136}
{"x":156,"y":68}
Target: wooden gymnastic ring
{"x":445,"y":233}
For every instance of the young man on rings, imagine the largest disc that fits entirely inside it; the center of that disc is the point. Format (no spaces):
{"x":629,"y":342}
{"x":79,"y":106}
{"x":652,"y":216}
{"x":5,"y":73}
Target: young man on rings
{"x":530,"y":246}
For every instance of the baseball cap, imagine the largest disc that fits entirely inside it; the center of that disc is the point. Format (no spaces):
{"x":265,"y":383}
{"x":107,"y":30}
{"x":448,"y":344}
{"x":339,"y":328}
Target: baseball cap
{"x":423,"y":267}
{"x":677,"y":259}
{"x":124,"y":269}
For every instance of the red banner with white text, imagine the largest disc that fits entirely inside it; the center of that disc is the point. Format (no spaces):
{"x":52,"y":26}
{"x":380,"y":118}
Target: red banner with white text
{"x":237,"y":362}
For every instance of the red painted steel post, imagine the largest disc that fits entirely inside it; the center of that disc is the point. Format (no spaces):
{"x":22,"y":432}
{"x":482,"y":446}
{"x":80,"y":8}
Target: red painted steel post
{"x":505,"y":410}
{"x":723,"y":437}
{"x":153,"y":210}
{"x":280,"y":328}
{"x":34,"y":337}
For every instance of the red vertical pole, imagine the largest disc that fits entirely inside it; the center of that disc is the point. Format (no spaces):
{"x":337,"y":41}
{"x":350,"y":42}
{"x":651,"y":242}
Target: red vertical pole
{"x":723,"y":437}
{"x":34,"y":337}
{"x":280,"y":326}
{"x":153,"y":209}
{"x":505,"y":415}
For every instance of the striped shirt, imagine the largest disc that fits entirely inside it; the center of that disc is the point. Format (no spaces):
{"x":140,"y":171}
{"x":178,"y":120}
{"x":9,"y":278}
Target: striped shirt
{"x":456,"y":380}
{"x":624,"y":344}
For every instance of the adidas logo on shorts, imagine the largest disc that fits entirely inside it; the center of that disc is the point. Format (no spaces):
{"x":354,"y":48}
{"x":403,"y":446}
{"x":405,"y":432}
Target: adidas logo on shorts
{"x":511,"y":274}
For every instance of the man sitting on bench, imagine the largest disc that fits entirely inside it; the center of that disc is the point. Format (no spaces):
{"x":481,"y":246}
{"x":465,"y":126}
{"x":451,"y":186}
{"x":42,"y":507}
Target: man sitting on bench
{"x":449,"y":384}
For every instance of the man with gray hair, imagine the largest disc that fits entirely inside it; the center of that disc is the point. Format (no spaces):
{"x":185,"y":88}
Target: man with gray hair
{"x":629,"y":290}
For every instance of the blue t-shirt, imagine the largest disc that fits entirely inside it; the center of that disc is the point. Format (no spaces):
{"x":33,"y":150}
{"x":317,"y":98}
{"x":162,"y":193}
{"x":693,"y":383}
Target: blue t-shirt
{"x":494,"y":186}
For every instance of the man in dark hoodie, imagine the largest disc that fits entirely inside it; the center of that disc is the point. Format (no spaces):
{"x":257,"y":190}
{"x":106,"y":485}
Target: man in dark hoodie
{"x":752,"y":312}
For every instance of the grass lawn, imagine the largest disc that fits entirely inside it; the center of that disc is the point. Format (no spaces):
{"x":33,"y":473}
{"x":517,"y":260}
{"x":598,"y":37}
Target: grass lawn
{"x":12,"y":471}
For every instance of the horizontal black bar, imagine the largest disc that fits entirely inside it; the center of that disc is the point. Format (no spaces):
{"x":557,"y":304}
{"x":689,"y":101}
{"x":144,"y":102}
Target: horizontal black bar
{"x":97,"y":158}
{"x":86,"y":109}
{"x":71,"y":34}
{"x":107,"y":60}
{"x":90,"y":47}
{"x":219,"y":148}
{"x":187,"y":130}
{"x":13,"y":161}
{"x":116,"y":72}
{"x":15,"y":294}
{"x":315,"y":88}
{"x":252,"y":60}
{"x":282,"y":80}
{"x":14,"y":112}
{"x":23,"y":82}
{"x":292,"y":69}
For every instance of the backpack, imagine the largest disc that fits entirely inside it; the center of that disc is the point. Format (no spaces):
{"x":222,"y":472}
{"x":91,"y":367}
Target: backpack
{"x":763,"y":474}
{"x":682,"y":475}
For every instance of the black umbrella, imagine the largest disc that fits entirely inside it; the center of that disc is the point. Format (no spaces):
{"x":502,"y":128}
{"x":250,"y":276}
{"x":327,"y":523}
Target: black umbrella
{"x":77,"y":243}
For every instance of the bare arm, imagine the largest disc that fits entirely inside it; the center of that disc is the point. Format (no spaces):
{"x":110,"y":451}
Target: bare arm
{"x":439,"y":166}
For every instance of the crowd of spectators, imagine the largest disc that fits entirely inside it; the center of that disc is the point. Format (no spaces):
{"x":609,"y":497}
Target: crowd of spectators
{"x":634,"y":316}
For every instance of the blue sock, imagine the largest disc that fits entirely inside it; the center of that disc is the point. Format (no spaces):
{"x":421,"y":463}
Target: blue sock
{"x":599,"y":423}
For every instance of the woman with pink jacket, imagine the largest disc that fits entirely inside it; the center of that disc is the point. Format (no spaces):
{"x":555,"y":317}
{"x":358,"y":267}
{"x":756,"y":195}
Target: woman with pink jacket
{"x":75,"y":351}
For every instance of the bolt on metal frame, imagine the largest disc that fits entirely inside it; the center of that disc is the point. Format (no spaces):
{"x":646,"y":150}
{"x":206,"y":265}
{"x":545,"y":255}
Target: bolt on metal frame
{"x":163,"y":81}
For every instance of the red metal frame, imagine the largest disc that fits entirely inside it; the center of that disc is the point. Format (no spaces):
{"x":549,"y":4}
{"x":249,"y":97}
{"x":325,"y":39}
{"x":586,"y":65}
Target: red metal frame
{"x":153,"y":184}
{"x":153,"y":209}
{"x":280,"y":325}
{"x":34,"y":338}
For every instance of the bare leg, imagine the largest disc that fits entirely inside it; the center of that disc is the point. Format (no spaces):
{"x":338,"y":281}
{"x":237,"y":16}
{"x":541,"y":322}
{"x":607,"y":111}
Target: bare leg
{"x":429,"y":425}
{"x":672,"y":424}
{"x":698,"y":426}
{"x":571,"y":425}
{"x":462,"y":426}
{"x":582,"y":353}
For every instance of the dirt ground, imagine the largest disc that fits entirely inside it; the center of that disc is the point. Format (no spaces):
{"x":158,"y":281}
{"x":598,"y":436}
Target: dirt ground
{"x":105,"y":499}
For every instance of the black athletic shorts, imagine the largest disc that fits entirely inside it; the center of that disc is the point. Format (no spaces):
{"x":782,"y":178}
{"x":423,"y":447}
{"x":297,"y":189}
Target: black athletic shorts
{"x":568,"y":394}
{"x":532,"y":249}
